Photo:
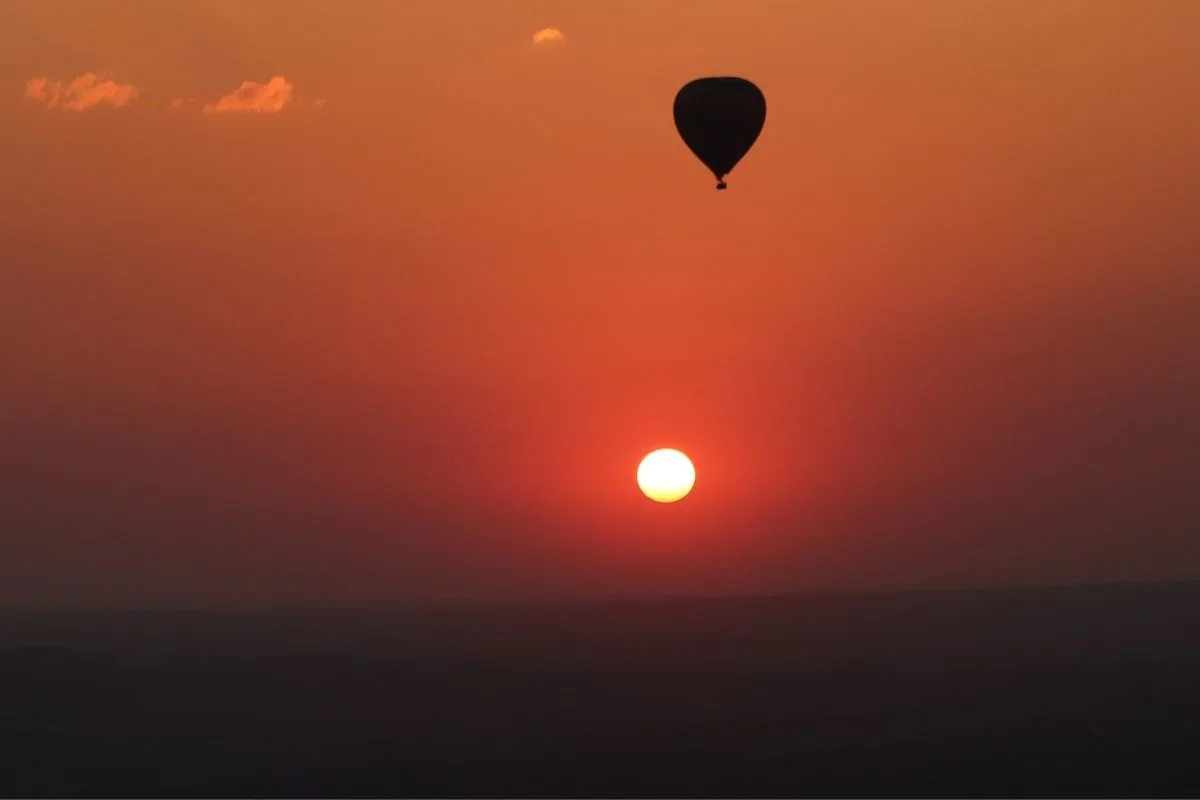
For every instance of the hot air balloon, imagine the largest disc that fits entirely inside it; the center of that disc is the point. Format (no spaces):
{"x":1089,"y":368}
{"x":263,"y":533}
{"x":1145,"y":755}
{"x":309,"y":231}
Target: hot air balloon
{"x":719,"y":120}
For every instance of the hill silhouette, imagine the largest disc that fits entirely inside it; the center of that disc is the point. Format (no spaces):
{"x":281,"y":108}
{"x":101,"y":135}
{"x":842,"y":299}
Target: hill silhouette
{"x":1077,"y":690}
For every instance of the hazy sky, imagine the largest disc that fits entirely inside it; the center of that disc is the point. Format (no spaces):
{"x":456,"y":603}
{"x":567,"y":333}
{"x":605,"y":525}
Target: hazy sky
{"x":309,"y":301}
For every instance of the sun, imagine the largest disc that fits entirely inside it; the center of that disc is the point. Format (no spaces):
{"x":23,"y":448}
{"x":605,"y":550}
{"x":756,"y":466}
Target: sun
{"x":666,"y":476}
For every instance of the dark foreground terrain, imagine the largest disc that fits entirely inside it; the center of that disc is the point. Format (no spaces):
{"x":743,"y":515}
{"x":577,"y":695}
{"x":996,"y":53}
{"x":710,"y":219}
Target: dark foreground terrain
{"x":1082,"y":691}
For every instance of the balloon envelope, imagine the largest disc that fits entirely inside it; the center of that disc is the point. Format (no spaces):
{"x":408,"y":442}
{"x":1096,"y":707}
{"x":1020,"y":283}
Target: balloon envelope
{"x":719,"y":119}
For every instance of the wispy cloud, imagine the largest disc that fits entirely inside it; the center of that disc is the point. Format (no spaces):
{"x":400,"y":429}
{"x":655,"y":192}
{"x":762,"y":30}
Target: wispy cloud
{"x":81,"y":93}
{"x":92,"y":89}
{"x":549,"y":36}
{"x":263,"y":98}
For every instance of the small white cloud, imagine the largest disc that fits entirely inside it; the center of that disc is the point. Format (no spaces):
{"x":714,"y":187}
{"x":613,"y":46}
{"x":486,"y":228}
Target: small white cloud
{"x":86,"y":91}
{"x":263,"y":98}
{"x":548,"y":36}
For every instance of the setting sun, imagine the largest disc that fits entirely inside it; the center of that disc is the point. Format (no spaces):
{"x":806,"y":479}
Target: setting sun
{"x":666,"y":475}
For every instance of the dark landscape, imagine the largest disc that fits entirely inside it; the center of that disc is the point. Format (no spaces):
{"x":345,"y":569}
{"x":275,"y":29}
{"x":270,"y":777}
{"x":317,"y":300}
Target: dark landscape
{"x":1061,"y":691}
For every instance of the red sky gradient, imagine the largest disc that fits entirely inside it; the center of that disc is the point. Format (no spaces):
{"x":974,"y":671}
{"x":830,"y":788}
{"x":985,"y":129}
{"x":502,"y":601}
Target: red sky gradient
{"x":397,"y":318}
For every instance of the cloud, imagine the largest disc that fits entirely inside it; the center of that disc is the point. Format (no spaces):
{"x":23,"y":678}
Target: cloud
{"x":86,"y":91}
{"x":264,"y":98}
{"x":91,"y":89}
{"x":549,"y":36}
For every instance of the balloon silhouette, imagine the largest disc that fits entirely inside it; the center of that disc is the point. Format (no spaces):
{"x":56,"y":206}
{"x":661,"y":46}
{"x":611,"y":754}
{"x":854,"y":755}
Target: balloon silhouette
{"x":719,"y":119}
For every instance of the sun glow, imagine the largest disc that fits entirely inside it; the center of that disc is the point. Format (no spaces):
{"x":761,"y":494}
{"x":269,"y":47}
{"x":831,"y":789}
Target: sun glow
{"x":666,"y":476}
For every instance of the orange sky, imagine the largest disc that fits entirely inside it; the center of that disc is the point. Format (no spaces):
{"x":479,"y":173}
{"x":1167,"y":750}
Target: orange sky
{"x":314,"y":301}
